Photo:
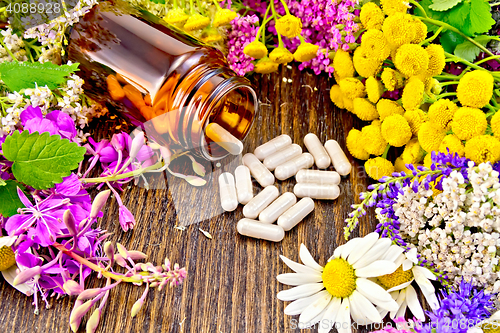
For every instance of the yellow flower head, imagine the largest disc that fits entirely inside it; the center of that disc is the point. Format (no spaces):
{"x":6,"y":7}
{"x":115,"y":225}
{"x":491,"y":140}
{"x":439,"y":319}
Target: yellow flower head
{"x":352,"y":88}
{"x":378,"y":167}
{"x":451,"y":143}
{"x":495,"y":125}
{"x":436,"y":59}
{"x":412,"y":153}
{"x":392,"y":7}
{"x":375,"y":45}
{"x":365,"y":65}
{"x":348,"y":104}
{"x":483,"y":148}
{"x":399,"y":29}
{"x":468,"y":123}
{"x":289,"y":26}
{"x":175,"y":16}
{"x":211,"y":35}
{"x":413,"y":93}
{"x":343,"y":65}
{"x":475,"y":88}
{"x":400,"y":166}
{"x":196,"y":22}
{"x":364,"y":109}
{"x":411,"y":59}
{"x":371,"y":16}
{"x":305,"y":52}
{"x":336,"y":96}
{"x":374,"y":88}
{"x":266,"y":66}
{"x":396,"y":130}
{"x":415,"y":119}
{"x":392,"y":79}
{"x":372,"y":140}
{"x":441,"y":113}
{"x":281,"y":55}
{"x":430,"y":136}
{"x":386,"y":108}
{"x":7,"y":257}
{"x":420,"y":30}
{"x":353,"y":143}
{"x":428,"y":161}
{"x":255,"y":49}
{"x":223,"y":16}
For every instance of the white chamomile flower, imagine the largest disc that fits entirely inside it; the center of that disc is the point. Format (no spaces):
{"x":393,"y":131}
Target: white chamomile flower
{"x":399,"y":282}
{"x":8,"y":266}
{"x":333,"y":294}
{"x":490,"y":325}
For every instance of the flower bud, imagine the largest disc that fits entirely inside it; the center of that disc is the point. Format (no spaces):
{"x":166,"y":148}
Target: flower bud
{"x":27,"y":274}
{"x":99,"y":201}
{"x":136,"y":307}
{"x":126,"y":219}
{"x":89,"y":293}
{"x":118,"y":141}
{"x":69,"y":221}
{"x":122,"y":250}
{"x":120,"y":260}
{"x":166,"y":154}
{"x":72,"y":288}
{"x":77,"y":314}
{"x":137,"y":144}
{"x":93,"y":321}
{"x":137,"y":255}
{"x":109,"y":250}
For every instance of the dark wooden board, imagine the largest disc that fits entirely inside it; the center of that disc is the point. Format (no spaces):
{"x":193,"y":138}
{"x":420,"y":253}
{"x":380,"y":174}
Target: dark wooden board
{"x":231,"y":284}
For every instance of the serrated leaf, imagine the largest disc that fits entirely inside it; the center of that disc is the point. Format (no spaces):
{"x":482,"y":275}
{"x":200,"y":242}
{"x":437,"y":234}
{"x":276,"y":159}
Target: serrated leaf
{"x":449,"y":40}
{"x":480,"y":17}
{"x":24,"y":75}
{"x":198,"y":168}
{"x":469,"y":51}
{"x":41,"y":160}
{"x":9,"y":200}
{"x":442,"y":5}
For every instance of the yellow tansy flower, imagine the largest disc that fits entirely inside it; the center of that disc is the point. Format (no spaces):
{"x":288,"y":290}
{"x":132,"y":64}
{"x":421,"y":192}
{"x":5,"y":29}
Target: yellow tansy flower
{"x":353,"y":143}
{"x":399,"y":29}
{"x":7,"y":257}
{"x":428,"y":161}
{"x":415,"y":119}
{"x":442,"y":112}
{"x":305,"y":52}
{"x":452,"y":143}
{"x":175,"y":16}
{"x":391,"y":7}
{"x":386,"y":107}
{"x":412,"y":153}
{"x":364,"y":109}
{"x":475,"y":88}
{"x":371,"y":16}
{"x":400,"y":166}
{"x":364,"y":65}
{"x":378,"y":167}
{"x":374,"y":88}
{"x":396,"y":130}
{"x":411,"y":59}
{"x":436,"y":59}
{"x":348,"y":103}
{"x":255,"y":49}
{"x":430,"y":136}
{"x":281,"y":55}
{"x":343,"y":65}
{"x":483,"y":148}
{"x":266,"y":66}
{"x":196,"y":22}
{"x":495,"y":125}
{"x":211,"y":35}
{"x":289,"y":26}
{"x":413,"y":93}
{"x":336,"y":96}
{"x":468,"y":123}
{"x":352,"y":88}
{"x":223,"y":16}
{"x":420,"y":31}
{"x":392,"y":79}
{"x":375,"y":45}
{"x":372,"y":140}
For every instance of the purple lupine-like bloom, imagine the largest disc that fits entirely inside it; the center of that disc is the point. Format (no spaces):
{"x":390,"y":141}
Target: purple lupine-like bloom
{"x":55,"y":122}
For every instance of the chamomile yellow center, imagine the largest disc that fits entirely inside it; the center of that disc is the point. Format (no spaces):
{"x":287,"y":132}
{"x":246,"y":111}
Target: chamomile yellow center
{"x":7,"y":258}
{"x":338,"y":278}
{"x":491,"y":326}
{"x":395,"y":279}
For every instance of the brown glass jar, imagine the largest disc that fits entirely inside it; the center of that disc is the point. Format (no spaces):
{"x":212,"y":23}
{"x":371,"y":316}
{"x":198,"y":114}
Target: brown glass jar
{"x":163,"y":79}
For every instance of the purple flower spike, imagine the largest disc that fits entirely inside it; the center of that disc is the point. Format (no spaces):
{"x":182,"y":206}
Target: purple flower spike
{"x":127,"y":220}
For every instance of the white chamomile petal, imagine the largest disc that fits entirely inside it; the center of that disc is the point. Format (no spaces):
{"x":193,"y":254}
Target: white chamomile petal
{"x":296,"y":307}
{"x":374,"y":253}
{"x":402,"y":310}
{"x":344,"y":317}
{"x":315,"y":308}
{"x":432,"y":300}
{"x":495,"y":316}
{"x":401,"y":286}
{"x":393,"y":253}
{"x":307,"y":258}
{"x":357,"y":313}
{"x":372,"y":291}
{"x":301,"y":291}
{"x":328,"y":319}
{"x":10,"y":274}
{"x":383,"y":312}
{"x":367,"y":307}
{"x":425,"y":272}
{"x":474,"y":329}
{"x":349,"y":246}
{"x":296,"y":267}
{"x":400,"y":260}
{"x":424,"y":284}
{"x":337,"y":252}
{"x":414,"y":304}
{"x":367,"y":242}
{"x":296,"y":279}
{"x":376,"y":268}
{"x":317,"y":319}
{"x":407,"y":265}
{"x":412,"y":255}
{"x":7,"y":241}
{"x":400,"y":300}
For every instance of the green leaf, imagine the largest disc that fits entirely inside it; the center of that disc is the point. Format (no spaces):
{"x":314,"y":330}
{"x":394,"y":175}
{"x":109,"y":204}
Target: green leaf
{"x":9,"y":200}
{"x":449,"y":40}
{"x":480,"y":16}
{"x":41,"y":160}
{"x":469,"y":51}
{"x":24,"y":75}
{"x":442,"y":5}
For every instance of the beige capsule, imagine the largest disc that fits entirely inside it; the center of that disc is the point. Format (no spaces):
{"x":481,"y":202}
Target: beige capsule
{"x":316,"y":191}
{"x":272,"y":146}
{"x":253,"y":208}
{"x":278,"y":207}
{"x":263,"y":176}
{"x":227,"y":190}
{"x":244,"y":187}
{"x":315,"y":147}
{"x":255,"y":229}
{"x":282,"y":156}
{"x":290,"y":168}
{"x":317,"y":176}
{"x":223,"y":138}
{"x":340,"y":161}
{"x":296,"y":213}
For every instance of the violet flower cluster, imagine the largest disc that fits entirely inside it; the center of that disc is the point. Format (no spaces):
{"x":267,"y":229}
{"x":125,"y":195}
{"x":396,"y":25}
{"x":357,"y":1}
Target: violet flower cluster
{"x":243,"y":31}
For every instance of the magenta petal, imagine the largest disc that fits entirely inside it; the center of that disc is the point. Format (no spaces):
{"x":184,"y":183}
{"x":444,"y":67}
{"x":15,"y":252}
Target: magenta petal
{"x":13,"y":224}
{"x":64,"y":122}
{"x":145,"y":153}
{"x":70,"y":186}
{"x":127,"y":220}
{"x":108,"y":154}
{"x":44,"y":234}
{"x":30,"y":113}
{"x":41,"y":126}
{"x":23,"y":198}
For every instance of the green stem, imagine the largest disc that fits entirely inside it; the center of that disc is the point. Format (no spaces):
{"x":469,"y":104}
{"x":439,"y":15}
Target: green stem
{"x":275,"y":16}
{"x":386,"y":151}
{"x":494,"y":4}
{"x":113,"y":178}
{"x":284,"y":5}
{"x":487,"y":59}
{"x":191,"y":6}
{"x":8,"y":51}
{"x":463,"y":61}
{"x":216,"y":3}
{"x":448,"y":83}
{"x":430,"y":39}
{"x":446,"y":95}
{"x":265,"y":20}
{"x":491,"y":108}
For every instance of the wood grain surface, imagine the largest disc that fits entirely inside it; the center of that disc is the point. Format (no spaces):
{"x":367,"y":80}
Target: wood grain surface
{"x":231,"y":284}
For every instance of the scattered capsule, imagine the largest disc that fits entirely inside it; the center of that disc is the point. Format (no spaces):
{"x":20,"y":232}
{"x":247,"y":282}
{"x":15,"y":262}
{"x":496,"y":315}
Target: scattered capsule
{"x":316,"y":191}
{"x":290,"y":168}
{"x":340,"y":161}
{"x":223,"y":138}
{"x":278,"y":207}
{"x":244,"y":187}
{"x":315,"y":147}
{"x":296,"y":213}
{"x":255,"y":229}
{"x":272,"y":146}
{"x":227,"y":189}
{"x":253,"y":208}
{"x":282,"y":156}
{"x":317,"y":177}
{"x":263,"y":176}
